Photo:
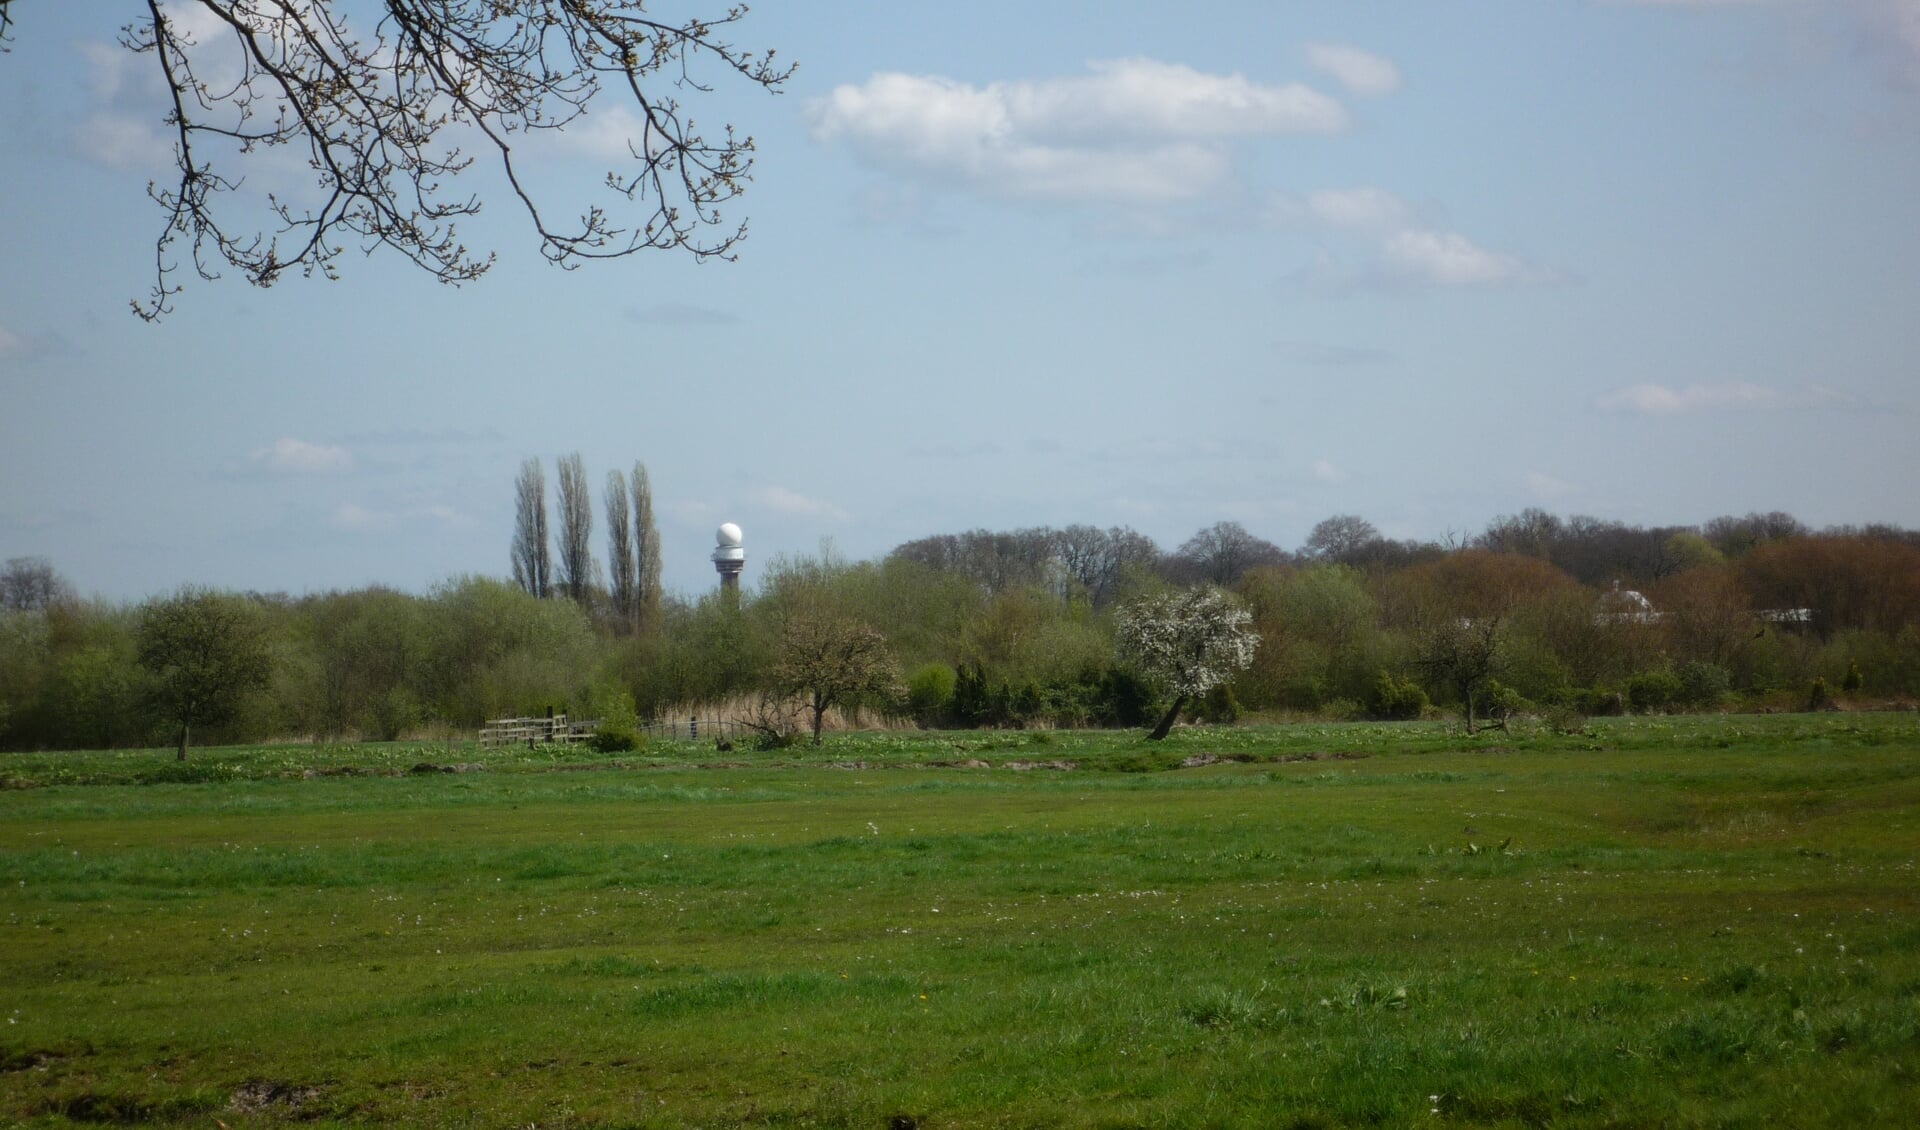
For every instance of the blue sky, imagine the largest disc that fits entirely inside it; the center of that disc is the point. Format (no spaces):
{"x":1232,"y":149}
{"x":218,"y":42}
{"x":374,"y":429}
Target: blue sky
{"x":1012,"y":264}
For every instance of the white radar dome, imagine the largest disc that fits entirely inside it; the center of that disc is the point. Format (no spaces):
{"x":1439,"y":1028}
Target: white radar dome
{"x":728,"y":535}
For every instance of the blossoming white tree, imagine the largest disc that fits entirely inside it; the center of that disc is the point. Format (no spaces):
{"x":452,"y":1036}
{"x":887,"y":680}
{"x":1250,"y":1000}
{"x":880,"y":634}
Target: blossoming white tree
{"x":1191,"y":641}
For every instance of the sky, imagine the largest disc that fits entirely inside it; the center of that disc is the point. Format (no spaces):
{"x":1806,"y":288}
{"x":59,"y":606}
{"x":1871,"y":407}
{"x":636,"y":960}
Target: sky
{"x":1011,"y":264}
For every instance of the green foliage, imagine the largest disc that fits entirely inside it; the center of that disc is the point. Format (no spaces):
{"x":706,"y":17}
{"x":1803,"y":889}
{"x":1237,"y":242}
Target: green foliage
{"x":1025,"y":648}
{"x":1600,"y":702}
{"x":1216,"y":707}
{"x":1565,"y":720}
{"x":768,"y":741}
{"x":1342,"y":710}
{"x":1702,"y":684}
{"x":930,"y":694}
{"x":204,"y":651}
{"x":616,"y":737}
{"x":394,"y":712}
{"x":972,"y":701}
{"x":1818,"y":696}
{"x":1126,"y":700}
{"x":1501,"y":702}
{"x":1320,"y":636}
{"x":1396,"y":699}
{"x":619,"y":722}
{"x":498,"y":651}
{"x":1653,"y":691}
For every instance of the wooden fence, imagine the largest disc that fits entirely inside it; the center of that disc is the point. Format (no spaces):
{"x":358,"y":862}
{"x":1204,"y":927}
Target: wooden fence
{"x":557,"y":730}
{"x":696,"y":730}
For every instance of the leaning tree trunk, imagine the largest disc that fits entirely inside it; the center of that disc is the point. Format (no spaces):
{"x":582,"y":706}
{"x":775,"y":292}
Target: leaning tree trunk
{"x":819,"y":717}
{"x":1166,"y":720}
{"x":183,"y":743}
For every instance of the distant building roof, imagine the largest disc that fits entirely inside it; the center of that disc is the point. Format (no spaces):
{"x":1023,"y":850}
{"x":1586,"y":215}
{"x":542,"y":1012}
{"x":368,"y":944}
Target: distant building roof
{"x":1625,"y":606}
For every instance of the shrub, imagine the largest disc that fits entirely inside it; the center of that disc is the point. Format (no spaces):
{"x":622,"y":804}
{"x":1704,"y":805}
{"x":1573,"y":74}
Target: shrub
{"x":1819,"y":697}
{"x":1598,"y":701}
{"x":1126,"y":700}
{"x":1852,"y":681}
{"x":393,"y":713}
{"x":1566,"y":720}
{"x":1026,"y":703}
{"x":1398,"y":699}
{"x":1703,"y":684}
{"x":1503,"y":702}
{"x":1218,"y":706}
{"x":768,"y":740}
{"x":972,"y":705}
{"x":930,"y":694}
{"x":1342,"y":710}
{"x":1650,"y":691}
{"x":615,"y":737}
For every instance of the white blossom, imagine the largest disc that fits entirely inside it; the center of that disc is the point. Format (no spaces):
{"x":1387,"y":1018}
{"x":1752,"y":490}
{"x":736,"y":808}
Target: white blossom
{"x":1193,"y":640}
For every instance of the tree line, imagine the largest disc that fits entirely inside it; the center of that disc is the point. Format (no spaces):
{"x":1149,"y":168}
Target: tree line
{"x":1007,"y":628}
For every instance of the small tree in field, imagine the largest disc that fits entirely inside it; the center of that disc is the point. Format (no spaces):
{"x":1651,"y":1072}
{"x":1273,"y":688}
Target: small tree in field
{"x":830,"y":659}
{"x":1461,"y":655}
{"x":1191,"y":641}
{"x":205,"y":651}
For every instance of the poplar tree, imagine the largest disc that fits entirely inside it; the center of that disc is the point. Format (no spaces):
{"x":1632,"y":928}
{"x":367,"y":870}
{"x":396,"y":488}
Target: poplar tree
{"x":622,"y":574}
{"x":576,"y":530}
{"x":646,"y":542}
{"x":532,"y":565}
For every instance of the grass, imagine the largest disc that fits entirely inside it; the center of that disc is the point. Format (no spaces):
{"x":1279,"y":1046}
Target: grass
{"x":1672,"y":922}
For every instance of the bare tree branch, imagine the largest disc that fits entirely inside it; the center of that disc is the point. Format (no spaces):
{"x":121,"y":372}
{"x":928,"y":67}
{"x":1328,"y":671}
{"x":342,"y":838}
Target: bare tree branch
{"x":380,"y":118}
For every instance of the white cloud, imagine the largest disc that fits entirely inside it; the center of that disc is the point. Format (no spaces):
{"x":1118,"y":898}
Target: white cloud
{"x":1325,"y":472}
{"x":123,"y":129}
{"x":608,"y":133}
{"x":1898,"y":22}
{"x":288,"y":456}
{"x":1734,"y":396}
{"x":1451,"y":259}
{"x":785,"y":501}
{"x":1545,"y":487}
{"x":355,"y":518}
{"x":122,"y":141}
{"x":1134,"y":130}
{"x":1358,"y":208}
{"x":1407,"y":250}
{"x":126,"y":124}
{"x":1361,"y":72}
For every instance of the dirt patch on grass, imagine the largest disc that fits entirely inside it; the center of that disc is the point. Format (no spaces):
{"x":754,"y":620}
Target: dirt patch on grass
{"x":258,"y":1095}
{"x":111,"y":1109}
{"x":1196,"y":760}
{"x":34,"y":1059}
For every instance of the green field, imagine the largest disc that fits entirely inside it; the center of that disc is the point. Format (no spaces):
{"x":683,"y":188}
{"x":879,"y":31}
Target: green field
{"x":1663,"y":922}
